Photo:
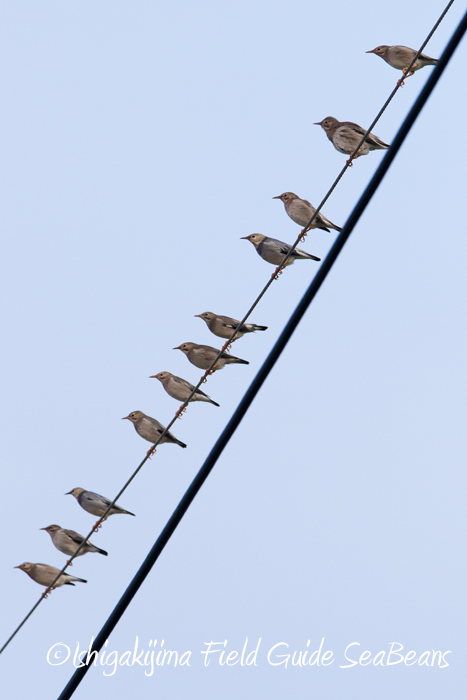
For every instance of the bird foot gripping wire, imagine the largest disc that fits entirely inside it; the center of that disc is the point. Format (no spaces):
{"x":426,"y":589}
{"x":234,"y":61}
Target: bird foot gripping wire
{"x":227,"y":347}
{"x":181,"y":411}
{"x":303,"y":234}
{"x":46,"y":593}
{"x":97,"y":526}
{"x":69,"y":563}
{"x":276,"y":273}
{"x":401,"y":82}
{"x":150,"y":452}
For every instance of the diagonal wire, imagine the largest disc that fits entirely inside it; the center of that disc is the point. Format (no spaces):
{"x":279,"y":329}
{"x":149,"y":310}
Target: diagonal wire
{"x":232,"y":337}
{"x":269,"y":363}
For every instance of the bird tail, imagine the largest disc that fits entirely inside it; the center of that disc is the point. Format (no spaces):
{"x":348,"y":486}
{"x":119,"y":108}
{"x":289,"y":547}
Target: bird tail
{"x":179,"y":442}
{"x":214,"y":403}
{"x":102,"y":551}
{"x":308,"y":256}
{"x":238,"y":360}
{"x":257,"y":328}
{"x":126,"y":512}
{"x":75,"y":578}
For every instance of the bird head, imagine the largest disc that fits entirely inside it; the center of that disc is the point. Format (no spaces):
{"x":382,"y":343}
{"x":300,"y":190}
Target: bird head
{"x":161,"y":376}
{"x":206,"y":316}
{"x":51,"y":528}
{"x":134,"y":416}
{"x":328,"y":123}
{"x":286,"y":196}
{"x":26,"y":566}
{"x":380,"y":50}
{"x":254,"y":238}
{"x":185,"y":347}
{"x":75,"y":492}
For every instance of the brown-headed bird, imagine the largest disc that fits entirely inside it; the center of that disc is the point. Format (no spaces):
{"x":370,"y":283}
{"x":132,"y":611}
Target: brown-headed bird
{"x":68,"y":541}
{"x":203,"y":356}
{"x":301,"y":211}
{"x":180,"y":389}
{"x":224,"y":326}
{"x":400,"y":58}
{"x":44,"y":575}
{"x":150,"y":429}
{"x":345,"y":137}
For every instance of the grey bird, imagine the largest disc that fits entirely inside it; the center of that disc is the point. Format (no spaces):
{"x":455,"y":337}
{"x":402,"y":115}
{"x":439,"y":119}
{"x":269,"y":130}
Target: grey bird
{"x":224,"y":326}
{"x":68,"y":541}
{"x":274,"y":251}
{"x":203,"y":356}
{"x":400,"y":58}
{"x":44,"y":575}
{"x":150,"y":429}
{"x":345,"y":137}
{"x":301,"y":211}
{"x":180,"y":389}
{"x":95,"y":504}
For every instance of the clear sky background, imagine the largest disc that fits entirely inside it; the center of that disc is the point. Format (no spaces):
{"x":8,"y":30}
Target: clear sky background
{"x":141,"y":140}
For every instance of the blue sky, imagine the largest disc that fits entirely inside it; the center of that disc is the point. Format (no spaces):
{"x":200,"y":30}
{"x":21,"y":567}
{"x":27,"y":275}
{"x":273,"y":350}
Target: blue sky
{"x":141,"y":141}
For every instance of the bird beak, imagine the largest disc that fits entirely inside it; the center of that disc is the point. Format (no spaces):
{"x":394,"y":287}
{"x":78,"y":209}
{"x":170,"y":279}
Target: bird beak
{"x":44,"y":528}
{"x":196,"y":316}
{"x":126,"y":418}
{"x":17,"y":567}
{"x":278,"y":196}
{"x":68,"y":493}
{"x":179,"y":347}
{"x":372,"y":51}
{"x":153,"y":376}
{"x":318,"y":123}
{"x":244,"y":238}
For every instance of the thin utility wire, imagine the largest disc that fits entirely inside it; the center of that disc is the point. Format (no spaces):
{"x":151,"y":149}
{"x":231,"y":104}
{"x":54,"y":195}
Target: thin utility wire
{"x":270,"y":361}
{"x":232,"y":337}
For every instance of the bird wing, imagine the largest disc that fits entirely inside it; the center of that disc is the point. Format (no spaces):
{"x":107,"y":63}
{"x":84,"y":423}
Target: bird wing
{"x":229,"y":322}
{"x":371,"y":139}
{"x":355,"y":127}
{"x":182,"y":382}
{"x":74,"y":536}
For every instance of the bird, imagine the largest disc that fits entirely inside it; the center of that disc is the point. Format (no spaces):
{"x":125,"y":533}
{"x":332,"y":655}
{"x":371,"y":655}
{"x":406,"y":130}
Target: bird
{"x":346,"y":136}
{"x":180,"y":389}
{"x":274,"y":251}
{"x":68,"y":541}
{"x":400,"y":58}
{"x":301,"y":211}
{"x":45,"y":575}
{"x":95,"y":504}
{"x":150,"y":429}
{"x":203,"y":356}
{"x":224,"y":326}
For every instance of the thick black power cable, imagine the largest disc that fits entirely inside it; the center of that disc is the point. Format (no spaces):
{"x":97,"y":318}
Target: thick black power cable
{"x":270,"y":361}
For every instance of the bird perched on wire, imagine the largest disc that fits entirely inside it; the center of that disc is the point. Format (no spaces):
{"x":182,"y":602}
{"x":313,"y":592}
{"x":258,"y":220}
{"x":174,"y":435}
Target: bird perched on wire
{"x":400,"y":58}
{"x":95,"y":504}
{"x":203,"y":356}
{"x":274,"y":251}
{"x":44,"y":575}
{"x":224,"y":326}
{"x":150,"y":429}
{"x":301,"y":211}
{"x":68,"y":541}
{"x":345,"y":137}
{"x":180,"y":389}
